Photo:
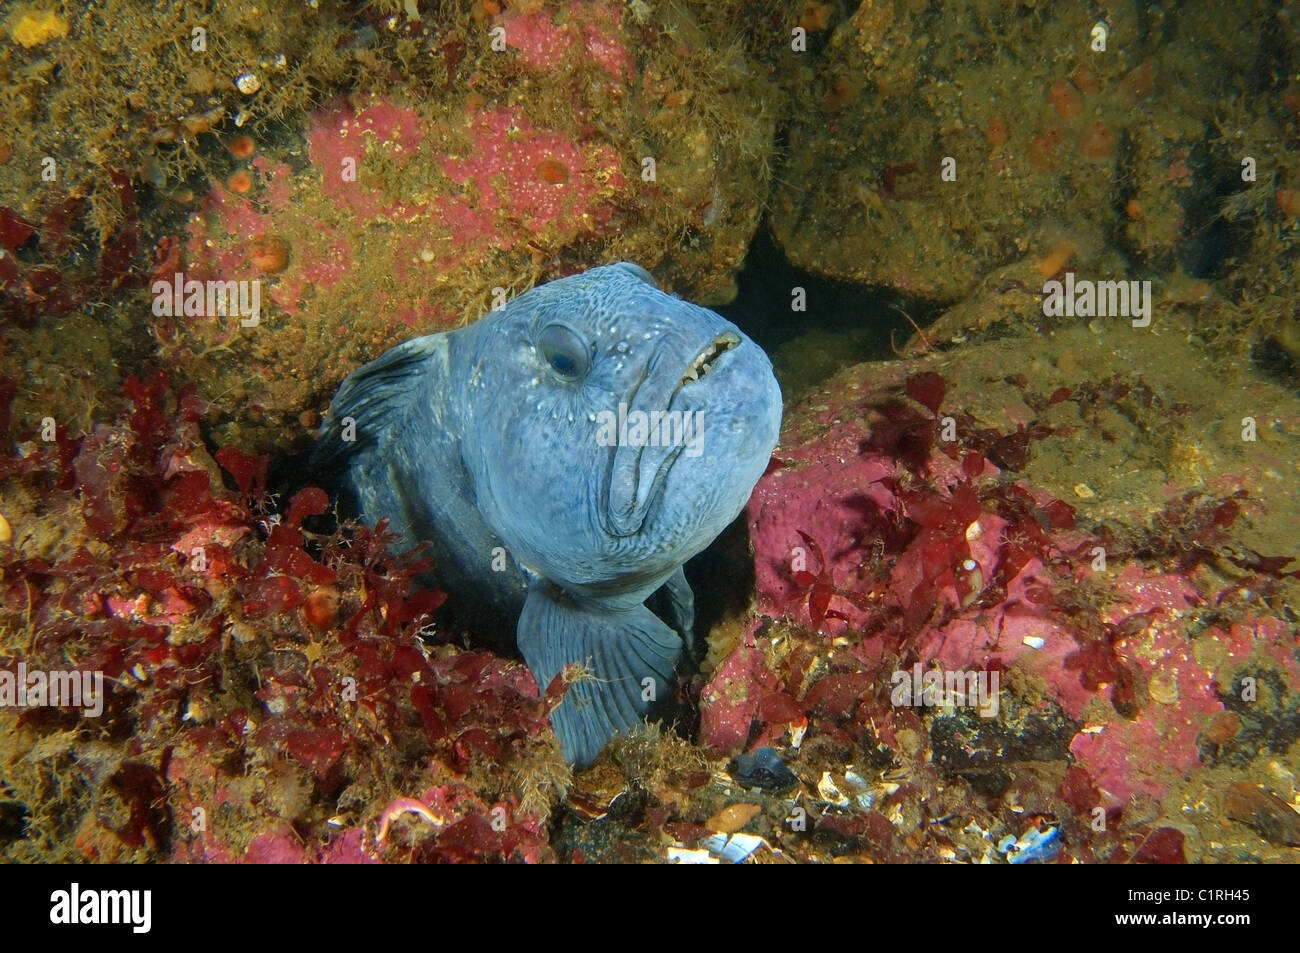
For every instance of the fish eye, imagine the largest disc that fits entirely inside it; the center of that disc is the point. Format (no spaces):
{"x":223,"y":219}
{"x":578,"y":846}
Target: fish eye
{"x":564,"y":352}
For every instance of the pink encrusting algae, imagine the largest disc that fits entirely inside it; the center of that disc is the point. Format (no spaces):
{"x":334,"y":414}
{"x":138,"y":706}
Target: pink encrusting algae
{"x":591,"y":30}
{"x":887,"y":547}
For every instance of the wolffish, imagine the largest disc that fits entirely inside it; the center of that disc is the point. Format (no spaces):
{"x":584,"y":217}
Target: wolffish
{"x":564,"y":456}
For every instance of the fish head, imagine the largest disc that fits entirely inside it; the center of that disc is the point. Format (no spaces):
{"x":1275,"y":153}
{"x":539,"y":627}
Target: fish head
{"x":617,"y":429}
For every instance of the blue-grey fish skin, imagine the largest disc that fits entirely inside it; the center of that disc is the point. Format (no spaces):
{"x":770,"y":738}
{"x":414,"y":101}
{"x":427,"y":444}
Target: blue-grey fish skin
{"x":494,"y":439}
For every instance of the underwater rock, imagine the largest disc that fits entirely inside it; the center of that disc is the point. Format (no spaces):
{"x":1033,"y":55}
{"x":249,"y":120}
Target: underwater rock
{"x":1272,"y":817}
{"x":881,"y":543}
{"x":986,"y":752}
{"x":763,"y":768}
{"x":425,"y":206}
{"x":729,"y":702}
{"x":127,"y":107}
{"x":927,"y":160}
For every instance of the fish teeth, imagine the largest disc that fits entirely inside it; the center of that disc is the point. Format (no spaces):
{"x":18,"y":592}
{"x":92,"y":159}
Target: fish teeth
{"x":703,"y":363}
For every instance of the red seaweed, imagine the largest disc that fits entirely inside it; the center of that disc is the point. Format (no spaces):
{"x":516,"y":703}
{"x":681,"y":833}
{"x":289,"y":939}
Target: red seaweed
{"x":927,"y":389}
{"x":248,"y":469}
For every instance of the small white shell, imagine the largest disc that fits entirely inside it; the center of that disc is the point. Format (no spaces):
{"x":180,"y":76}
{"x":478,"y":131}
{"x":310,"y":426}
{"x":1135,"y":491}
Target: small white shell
{"x":683,"y":855}
{"x":1034,"y":641}
{"x":248,"y":83}
{"x":733,"y":849}
{"x":829,"y":792}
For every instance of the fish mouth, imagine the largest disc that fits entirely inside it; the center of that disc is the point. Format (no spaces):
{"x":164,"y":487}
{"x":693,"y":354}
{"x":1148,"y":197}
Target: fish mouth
{"x":705,"y":360}
{"x":637,"y":472}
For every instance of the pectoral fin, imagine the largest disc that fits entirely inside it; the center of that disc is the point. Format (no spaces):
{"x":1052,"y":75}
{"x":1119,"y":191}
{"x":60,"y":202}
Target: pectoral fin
{"x":675,"y":604}
{"x":378,"y":397}
{"x":630,"y":655}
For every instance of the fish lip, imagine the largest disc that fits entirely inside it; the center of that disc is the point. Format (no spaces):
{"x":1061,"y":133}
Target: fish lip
{"x":700,"y":367}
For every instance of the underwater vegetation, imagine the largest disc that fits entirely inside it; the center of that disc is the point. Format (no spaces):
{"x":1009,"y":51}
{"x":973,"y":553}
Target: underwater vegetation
{"x":1027,"y":592}
{"x":258,"y":672}
{"x":1111,"y":639}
